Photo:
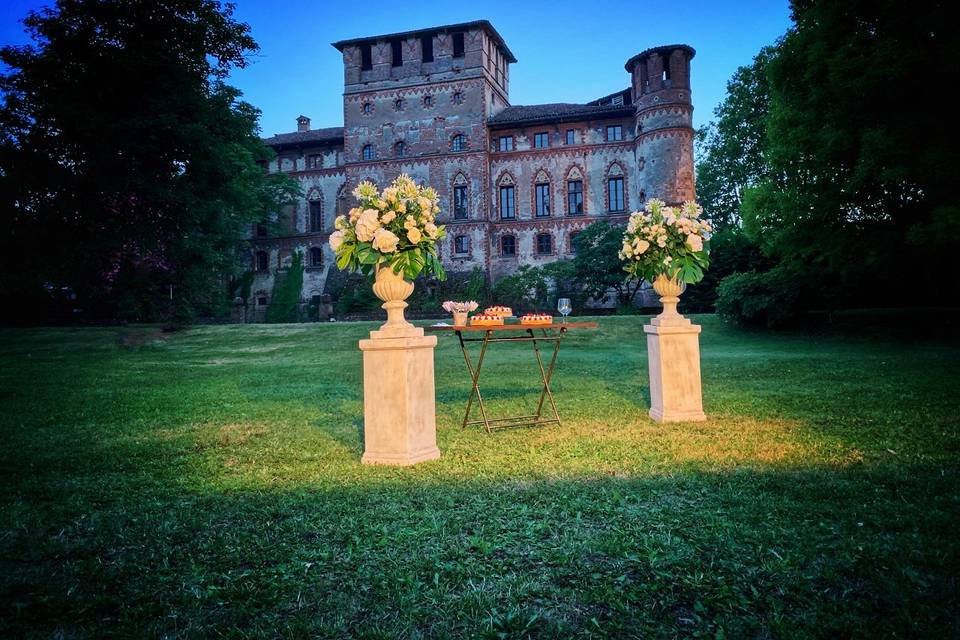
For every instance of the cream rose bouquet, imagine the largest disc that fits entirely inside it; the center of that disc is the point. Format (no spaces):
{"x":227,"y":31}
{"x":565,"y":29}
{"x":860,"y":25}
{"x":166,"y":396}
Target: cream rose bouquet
{"x":396,"y":227}
{"x":670,"y":241}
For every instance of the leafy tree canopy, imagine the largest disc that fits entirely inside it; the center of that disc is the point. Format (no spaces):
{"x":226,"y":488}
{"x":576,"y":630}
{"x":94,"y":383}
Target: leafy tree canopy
{"x":127,"y":164}
{"x":863,"y":160}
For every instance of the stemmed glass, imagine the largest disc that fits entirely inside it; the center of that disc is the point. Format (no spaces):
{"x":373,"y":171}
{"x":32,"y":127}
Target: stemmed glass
{"x":563,"y":306}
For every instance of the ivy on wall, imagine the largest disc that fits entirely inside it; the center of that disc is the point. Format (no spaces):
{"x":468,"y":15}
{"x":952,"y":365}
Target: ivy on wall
{"x":286,"y":291}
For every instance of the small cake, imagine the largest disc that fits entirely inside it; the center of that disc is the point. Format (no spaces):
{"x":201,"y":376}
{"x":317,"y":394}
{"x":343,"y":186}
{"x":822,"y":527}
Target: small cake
{"x":502,"y":312}
{"x":485,"y":320}
{"x":536,"y":318}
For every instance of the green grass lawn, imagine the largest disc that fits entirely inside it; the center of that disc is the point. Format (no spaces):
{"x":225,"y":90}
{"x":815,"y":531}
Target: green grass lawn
{"x":207,"y":483}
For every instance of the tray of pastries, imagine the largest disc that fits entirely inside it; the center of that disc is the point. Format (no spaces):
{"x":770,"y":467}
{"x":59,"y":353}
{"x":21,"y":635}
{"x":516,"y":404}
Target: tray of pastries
{"x":503,"y":312}
{"x":536,"y":318}
{"x":485,"y":320}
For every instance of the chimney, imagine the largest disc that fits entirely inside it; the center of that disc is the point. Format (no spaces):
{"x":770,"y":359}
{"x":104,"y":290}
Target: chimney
{"x":303,"y":123}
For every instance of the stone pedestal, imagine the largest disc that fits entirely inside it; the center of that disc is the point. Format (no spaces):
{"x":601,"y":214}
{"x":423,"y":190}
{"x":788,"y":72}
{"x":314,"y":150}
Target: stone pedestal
{"x":673,"y":347}
{"x":399,"y":419}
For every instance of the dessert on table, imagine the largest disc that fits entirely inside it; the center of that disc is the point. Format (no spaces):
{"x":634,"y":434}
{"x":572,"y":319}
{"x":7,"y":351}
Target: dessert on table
{"x":486,"y":320}
{"x":536,"y":318}
{"x":502,"y":312}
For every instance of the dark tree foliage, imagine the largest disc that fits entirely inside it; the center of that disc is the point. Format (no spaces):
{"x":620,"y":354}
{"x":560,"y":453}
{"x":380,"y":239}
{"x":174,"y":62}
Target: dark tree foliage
{"x":597,"y":267}
{"x":127,"y":165}
{"x":863,"y":156}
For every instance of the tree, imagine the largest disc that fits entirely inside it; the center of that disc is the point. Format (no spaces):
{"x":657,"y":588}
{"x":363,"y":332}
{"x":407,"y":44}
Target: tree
{"x":127,"y":164}
{"x":861,"y":195}
{"x":598,"y":268}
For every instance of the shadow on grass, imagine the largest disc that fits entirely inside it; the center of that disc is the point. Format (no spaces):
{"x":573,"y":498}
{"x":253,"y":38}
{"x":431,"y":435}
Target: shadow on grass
{"x":821,"y":552}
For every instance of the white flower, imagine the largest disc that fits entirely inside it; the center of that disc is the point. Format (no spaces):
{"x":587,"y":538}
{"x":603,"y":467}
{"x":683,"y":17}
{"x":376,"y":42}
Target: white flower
{"x":367,"y":225}
{"x":695,"y":242}
{"x":388,"y":217}
{"x":336,"y":239}
{"x":662,"y":241}
{"x":640,"y":246}
{"x":667,"y":260}
{"x":340,"y":222}
{"x":385,"y":241}
{"x":626,"y":249}
{"x":431,"y":230}
{"x":414,"y":235}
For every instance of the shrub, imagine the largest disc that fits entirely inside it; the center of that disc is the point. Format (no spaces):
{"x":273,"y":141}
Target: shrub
{"x":526,"y":290}
{"x":772,"y":298}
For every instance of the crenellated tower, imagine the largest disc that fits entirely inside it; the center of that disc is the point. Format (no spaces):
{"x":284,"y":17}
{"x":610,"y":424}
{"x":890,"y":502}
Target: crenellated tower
{"x":664,"y":121}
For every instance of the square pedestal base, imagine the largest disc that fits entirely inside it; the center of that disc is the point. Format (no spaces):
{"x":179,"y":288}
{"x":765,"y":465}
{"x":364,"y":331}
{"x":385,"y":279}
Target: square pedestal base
{"x":674,"y":360}
{"x":399,"y":415}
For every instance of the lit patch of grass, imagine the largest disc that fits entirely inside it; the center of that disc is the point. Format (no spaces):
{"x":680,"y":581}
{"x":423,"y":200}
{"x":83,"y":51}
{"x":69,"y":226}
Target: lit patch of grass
{"x":208,"y":483}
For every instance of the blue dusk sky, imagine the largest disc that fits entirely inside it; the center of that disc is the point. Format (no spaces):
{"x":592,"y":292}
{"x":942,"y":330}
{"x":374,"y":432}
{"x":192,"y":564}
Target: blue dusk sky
{"x":566,"y":51}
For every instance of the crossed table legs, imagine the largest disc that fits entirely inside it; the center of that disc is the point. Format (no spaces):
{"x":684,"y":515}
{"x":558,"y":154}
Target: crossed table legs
{"x":545,"y":374}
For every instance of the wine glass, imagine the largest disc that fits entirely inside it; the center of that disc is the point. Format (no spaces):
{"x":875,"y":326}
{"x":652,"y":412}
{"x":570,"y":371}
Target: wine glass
{"x":563,"y":306}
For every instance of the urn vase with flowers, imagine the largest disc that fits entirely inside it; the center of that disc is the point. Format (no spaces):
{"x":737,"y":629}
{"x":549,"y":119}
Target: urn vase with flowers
{"x":669,"y":247}
{"x":392,"y":235}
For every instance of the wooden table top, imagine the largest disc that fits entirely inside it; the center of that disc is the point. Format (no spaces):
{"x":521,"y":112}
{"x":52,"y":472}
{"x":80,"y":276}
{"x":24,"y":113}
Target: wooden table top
{"x":516,"y":326}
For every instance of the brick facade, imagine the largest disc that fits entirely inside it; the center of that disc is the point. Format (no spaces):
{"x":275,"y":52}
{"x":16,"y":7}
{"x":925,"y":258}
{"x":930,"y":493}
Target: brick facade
{"x":441,"y":121}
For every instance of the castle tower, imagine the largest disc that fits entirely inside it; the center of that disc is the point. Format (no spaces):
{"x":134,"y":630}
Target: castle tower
{"x":664,"y":122}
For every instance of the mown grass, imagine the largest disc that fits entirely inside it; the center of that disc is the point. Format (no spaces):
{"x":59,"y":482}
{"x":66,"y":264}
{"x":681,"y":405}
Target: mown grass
{"x":207,"y":484}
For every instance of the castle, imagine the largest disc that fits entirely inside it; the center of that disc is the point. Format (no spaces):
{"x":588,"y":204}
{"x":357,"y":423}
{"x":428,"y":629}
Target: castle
{"x":516,"y":182}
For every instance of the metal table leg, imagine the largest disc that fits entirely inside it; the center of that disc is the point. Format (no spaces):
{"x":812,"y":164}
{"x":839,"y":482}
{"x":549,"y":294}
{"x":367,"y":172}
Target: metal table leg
{"x":546,"y":374}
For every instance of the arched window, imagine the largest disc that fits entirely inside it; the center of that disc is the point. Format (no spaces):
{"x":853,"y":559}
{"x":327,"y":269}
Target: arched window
{"x":368,"y":152}
{"x":508,"y":245}
{"x":400,"y":149}
{"x":458,"y":142}
{"x":316,"y":257}
{"x":544,"y":244}
{"x":541,"y":191}
{"x":368,"y":107}
{"x":458,"y":98}
{"x":428,"y":101}
{"x":460,"y":200}
{"x":263,"y":260}
{"x":616,"y":189}
{"x":575,"y":192}
{"x":508,"y":208}
{"x":315,"y":223}
{"x":398,"y":104}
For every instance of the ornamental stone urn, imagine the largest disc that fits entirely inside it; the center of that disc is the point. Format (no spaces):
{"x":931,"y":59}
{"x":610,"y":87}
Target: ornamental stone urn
{"x":399,"y":414}
{"x":673,"y":348}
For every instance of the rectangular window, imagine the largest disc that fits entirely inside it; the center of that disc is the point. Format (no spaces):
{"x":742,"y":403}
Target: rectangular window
{"x":396,"y":51}
{"x":426,"y":48}
{"x":316,"y":216}
{"x":543,"y":200}
{"x":541,"y":140}
{"x":458,"y":45}
{"x":461,"y":244}
{"x":614,"y":133}
{"x":507,"y":209}
{"x":575,"y":197}
{"x":544,"y":244}
{"x":571,"y":136}
{"x":366,"y":58}
{"x":508,"y":246}
{"x":315,"y":161}
{"x":573,"y":241}
{"x":459,"y":203}
{"x":506,"y":143}
{"x":615,"y":193}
